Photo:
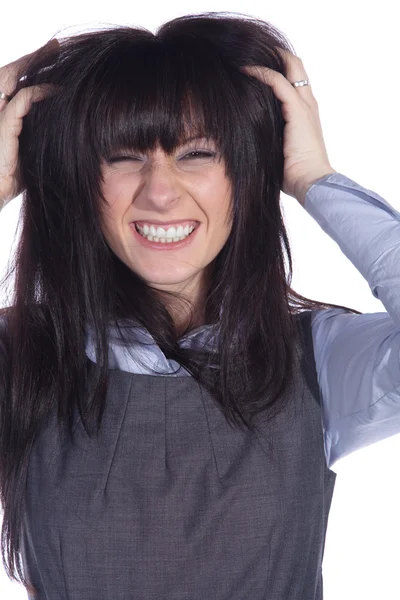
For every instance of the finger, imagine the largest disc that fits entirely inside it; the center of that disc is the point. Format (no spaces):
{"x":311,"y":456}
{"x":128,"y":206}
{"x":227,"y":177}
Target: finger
{"x":295,"y":71}
{"x":24,"y":98}
{"x":281,"y":85}
{"x":9,"y":73}
{"x":11,"y":118}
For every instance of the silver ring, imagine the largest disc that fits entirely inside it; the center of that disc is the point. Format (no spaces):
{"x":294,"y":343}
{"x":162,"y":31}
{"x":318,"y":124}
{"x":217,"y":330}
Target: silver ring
{"x":301,"y":83}
{"x":4,"y":96}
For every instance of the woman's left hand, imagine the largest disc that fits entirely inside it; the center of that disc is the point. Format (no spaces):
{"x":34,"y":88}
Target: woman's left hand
{"x":305,"y":156}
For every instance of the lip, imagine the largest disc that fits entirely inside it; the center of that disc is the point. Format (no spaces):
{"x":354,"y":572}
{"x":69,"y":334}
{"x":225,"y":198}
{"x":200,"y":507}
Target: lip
{"x":163,"y":246}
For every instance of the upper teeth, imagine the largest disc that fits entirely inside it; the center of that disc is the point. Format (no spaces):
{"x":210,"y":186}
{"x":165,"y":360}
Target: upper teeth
{"x":169,"y":233}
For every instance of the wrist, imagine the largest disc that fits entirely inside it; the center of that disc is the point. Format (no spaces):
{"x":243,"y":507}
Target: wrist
{"x":305,"y":187}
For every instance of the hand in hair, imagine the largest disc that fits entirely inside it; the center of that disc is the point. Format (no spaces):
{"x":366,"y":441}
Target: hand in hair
{"x":11,"y":119}
{"x":305,"y":155}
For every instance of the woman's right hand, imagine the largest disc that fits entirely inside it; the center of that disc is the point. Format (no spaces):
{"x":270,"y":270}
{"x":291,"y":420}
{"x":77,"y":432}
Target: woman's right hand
{"x":11,"y":115}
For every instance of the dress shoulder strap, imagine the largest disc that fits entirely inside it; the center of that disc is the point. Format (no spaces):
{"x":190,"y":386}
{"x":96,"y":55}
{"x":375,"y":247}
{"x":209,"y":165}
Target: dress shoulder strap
{"x":304,"y":320}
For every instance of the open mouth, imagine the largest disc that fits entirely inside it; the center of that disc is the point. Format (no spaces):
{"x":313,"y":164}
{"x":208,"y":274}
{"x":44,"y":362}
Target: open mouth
{"x":168,"y":235}
{"x":165,"y":242}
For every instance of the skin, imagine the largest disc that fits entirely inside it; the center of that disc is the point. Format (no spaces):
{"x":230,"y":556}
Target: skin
{"x":156,"y":186}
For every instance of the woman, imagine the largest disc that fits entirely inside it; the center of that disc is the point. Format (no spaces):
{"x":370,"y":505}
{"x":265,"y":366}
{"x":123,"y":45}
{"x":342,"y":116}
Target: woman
{"x":170,"y":410}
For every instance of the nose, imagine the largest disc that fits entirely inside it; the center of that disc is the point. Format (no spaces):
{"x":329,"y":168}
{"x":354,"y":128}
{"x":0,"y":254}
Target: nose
{"x":159,"y":188}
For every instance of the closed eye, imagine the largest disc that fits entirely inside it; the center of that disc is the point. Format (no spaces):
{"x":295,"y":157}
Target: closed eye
{"x":209,"y":154}
{"x":199,"y":153}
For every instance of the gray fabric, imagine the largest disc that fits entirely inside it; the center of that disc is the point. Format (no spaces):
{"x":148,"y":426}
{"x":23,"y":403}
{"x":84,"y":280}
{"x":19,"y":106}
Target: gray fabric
{"x":171,"y":503}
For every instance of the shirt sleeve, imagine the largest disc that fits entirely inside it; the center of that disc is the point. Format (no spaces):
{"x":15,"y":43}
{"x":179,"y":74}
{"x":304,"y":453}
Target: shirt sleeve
{"x":357,"y":356}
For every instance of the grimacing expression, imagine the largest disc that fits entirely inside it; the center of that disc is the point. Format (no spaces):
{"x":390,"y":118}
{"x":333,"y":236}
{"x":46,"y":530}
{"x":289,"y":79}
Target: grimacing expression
{"x":157,"y":189}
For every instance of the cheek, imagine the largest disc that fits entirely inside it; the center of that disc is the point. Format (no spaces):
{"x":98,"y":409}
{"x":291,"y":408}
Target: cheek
{"x":111,"y":220}
{"x":223,"y":215}
{"x":221,"y":225}
{"x":116,"y":205}
{"x":114,"y":189}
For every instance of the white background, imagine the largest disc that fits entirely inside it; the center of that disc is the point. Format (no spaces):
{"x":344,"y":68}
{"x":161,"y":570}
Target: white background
{"x":351,"y":55}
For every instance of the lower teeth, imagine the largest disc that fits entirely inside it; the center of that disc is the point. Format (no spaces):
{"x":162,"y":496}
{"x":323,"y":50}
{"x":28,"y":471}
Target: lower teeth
{"x":163,"y":240}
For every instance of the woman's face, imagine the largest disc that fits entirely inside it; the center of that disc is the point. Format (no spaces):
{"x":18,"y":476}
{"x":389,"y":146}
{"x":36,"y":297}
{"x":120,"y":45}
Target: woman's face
{"x":186,"y":189}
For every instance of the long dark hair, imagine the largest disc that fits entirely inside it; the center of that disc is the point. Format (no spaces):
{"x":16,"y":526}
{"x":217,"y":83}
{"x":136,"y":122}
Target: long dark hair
{"x":127,"y":87}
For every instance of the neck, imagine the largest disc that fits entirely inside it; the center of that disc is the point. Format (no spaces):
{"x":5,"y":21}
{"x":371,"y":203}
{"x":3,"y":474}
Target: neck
{"x":181,"y":312}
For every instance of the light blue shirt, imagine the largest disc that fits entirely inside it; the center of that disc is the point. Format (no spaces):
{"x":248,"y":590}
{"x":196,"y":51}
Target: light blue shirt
{"x":356,"y":356}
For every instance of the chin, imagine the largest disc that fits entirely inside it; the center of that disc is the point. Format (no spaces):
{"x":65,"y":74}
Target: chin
{"x":162,"y":277}
{"x":164,"y":280}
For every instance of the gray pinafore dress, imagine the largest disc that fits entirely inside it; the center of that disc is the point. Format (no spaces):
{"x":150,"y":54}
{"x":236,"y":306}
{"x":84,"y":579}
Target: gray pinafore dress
{"x":172,"y":503}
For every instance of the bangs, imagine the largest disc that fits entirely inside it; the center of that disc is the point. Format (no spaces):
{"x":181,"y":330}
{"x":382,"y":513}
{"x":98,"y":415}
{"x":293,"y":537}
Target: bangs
{"x":153,"y":93}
